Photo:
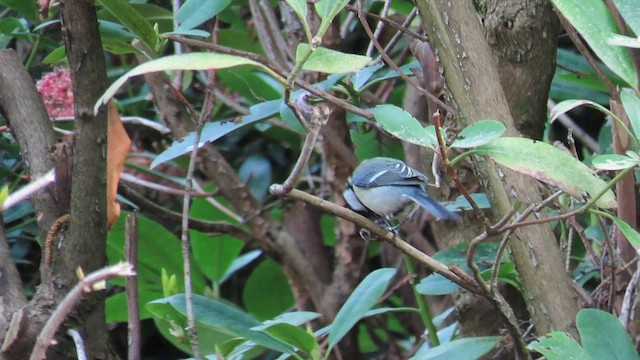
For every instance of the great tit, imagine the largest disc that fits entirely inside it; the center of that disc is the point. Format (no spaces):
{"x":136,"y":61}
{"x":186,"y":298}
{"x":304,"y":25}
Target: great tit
{"x":390,"y":190}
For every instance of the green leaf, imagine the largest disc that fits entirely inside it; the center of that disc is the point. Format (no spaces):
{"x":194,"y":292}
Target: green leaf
{"x":363,"y":298}
{"x":327,"y":10}
{"x":26,"y":8}
{"x":603,"y":337}
{"x":300,"y":8}
{"x":436,"y":284}
{"x":631,"y":104}
{"x":613,"y":162}
{"x":214,"y":130}
{"x":195,"y":12}
{"x":550,"y":165}
{"x":460,"y":349}
{"x":267,"y":292}
{"x":289,"y":334}
{"x":559,"y":346}
{"x":330,"y":61}
{"x":480,"y":133}
{"x":158,"y":249}
{"x":594,"y":22}
{"x":214,"y":254}
{"x":629,"y":232}
{"x":132,"y":20}
{"x":218,"y":315}
{"x":630,"y":13}
{"x":399,"y":123}
{"x":239,"y":263}
{"x":191,"y":61}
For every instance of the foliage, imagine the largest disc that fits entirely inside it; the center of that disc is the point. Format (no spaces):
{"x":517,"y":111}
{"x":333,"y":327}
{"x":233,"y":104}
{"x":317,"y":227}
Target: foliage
{"x":243,"y":298}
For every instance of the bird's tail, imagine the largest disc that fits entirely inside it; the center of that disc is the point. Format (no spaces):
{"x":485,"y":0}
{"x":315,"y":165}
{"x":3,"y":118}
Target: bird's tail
{"x":434,"y":207}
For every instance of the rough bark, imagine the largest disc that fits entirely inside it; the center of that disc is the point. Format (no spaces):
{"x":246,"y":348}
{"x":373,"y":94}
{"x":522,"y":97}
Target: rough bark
{"x":523,"y":39}
{"x":473,"y":80}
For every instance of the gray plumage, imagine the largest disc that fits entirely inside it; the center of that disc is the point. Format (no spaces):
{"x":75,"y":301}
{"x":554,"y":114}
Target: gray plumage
{"x":391,"y":189}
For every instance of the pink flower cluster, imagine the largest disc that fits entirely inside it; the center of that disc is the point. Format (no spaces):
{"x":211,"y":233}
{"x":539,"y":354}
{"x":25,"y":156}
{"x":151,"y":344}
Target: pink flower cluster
{"x":56,"y":90}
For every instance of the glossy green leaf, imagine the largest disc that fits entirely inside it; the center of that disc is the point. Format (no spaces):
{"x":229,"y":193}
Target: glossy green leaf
{"x":327,"y":10}
{"x":132,"y":20}
{"x":613,"y":162}
{"x":559,"y":346}
{"x":594,"y":22}
{"x":8,"y":27}
{"x":629,"y":232}
{"x":630,"y":13}
{"x":300,"y":8}
{"x":154,"y":14}
{"x":330,"y":61}
{"x":363,"y":298}
{"x":195,"y":12}
{"x":631,"y":104}
{"x":479,"y":133}
{"x":461,"y":349}
{"x":218,"y":315}
{"x":399,"y":123}
{"x":550,"y":165}
{"x":191,"y":61}
{"x":214,"y":130}
{"x":603,"y":337}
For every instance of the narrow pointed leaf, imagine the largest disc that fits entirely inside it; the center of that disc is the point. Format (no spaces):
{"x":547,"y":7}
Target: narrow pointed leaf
{"x":132,"y":20}
{"x":191,"y":61}
{"x":613,"y":162}
{"x":363,"y":298}
{"x":331,"y":61}
{"x":594,"y":22}
{"x":215,"y":130}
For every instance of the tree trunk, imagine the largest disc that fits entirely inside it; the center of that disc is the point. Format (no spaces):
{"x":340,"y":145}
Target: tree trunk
{"x":474,"y":82}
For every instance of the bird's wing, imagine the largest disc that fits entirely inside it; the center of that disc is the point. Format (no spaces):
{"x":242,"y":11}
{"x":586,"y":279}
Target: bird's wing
{"x":388,"y":173}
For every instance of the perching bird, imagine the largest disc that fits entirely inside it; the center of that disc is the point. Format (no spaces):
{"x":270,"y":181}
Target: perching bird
{"x":391,"y":190}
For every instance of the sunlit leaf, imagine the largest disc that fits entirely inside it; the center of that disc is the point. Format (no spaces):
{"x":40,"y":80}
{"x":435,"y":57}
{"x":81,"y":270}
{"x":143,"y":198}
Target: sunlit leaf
{"x":550,"y":165}
{"x":191,"y":61}
{"x":613,"y":162}
{"x":330,"y":61}
{"x":399,"y":123}
{"x":479,"y":133}
{"x":594,"y":22}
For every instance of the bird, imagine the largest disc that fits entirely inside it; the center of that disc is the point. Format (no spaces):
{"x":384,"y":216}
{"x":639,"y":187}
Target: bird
{"x":389,"y":189}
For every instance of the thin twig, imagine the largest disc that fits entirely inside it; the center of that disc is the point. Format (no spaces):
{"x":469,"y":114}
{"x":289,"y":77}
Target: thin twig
{"x":392,"y":64}
{"x":131,"y":286}
{"x":629,"y":296}
{"x":134,"y":180}
{"x":28,"y":190}
{"x":379,"y":26}
{"x":92,"y":282}
{"x":578,"y":132}
{"x":375,"y":230}
{"x":81,"y":354}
